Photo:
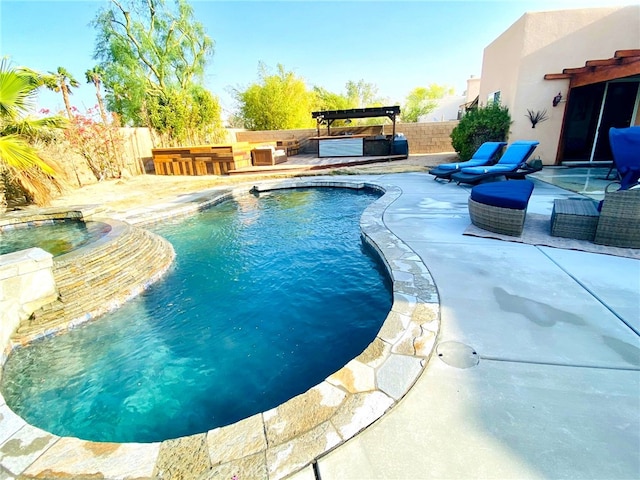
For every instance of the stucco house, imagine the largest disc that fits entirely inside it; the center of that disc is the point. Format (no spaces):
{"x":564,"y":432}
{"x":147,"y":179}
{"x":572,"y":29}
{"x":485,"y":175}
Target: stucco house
{"x":581,"y":68}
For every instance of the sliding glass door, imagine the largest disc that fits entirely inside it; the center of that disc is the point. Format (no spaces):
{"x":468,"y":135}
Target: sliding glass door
{"x":592,"y":110}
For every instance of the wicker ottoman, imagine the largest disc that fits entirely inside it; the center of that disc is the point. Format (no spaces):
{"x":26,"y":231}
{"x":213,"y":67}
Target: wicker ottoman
{"x":619,"y":223}
{"x":500,"y":207}
{"x":574,"y":218}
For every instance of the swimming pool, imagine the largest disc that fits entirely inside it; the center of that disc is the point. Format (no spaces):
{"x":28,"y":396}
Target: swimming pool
{"x":227,"y":334}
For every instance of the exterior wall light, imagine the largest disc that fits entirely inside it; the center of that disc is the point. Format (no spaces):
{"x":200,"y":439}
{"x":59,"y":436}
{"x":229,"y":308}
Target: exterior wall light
{"x":557,"y":99}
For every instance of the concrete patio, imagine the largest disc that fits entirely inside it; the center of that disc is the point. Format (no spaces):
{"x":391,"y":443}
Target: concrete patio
{"x":556,"y":391}
{"x":536,"y":369}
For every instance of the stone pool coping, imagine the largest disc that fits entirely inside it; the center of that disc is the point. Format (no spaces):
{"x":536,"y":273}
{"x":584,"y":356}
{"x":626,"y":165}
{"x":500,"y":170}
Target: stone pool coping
{"x":281,"y":441}
{"x":92,"y":297}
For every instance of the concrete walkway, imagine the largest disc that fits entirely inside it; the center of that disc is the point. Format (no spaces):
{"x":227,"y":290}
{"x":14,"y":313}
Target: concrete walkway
{"x":556,"y":391}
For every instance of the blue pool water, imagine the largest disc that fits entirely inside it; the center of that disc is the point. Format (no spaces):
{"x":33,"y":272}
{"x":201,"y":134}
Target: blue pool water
{"x":56,"y":237}
{"x":268,"y":297}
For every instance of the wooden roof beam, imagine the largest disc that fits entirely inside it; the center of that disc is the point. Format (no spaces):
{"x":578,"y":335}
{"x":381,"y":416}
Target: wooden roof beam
{"x":578,"y":70}
{"x":369,"y":112}
{"x":621,"y":57}
{"x":611,"y":61}
{"x":556,"y":76}
{"x":602,"y":63}
{"x":627,"y":53}
{"x":603,"y":74}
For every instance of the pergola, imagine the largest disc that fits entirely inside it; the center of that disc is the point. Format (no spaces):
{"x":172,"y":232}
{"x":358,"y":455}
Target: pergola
{"x":624,"y":63}
{"x":330,"y":116}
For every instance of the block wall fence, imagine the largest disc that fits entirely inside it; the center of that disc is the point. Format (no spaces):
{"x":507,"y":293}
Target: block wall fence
{"x":423,"y":138}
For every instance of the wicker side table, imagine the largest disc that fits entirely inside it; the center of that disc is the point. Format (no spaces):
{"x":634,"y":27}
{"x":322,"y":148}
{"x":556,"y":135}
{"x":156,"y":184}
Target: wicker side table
{"x":574,"y":218}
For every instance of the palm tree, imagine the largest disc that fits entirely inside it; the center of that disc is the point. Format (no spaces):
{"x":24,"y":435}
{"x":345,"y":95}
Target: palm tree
{"x":95,"y":76}
{"x":17,"y":157}
{"x":62,"y":81}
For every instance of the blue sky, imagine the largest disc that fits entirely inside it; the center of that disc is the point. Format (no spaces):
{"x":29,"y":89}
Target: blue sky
{"x":395,"y":45}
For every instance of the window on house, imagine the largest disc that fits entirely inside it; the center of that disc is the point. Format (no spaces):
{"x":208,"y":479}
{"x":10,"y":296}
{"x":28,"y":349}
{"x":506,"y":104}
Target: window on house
{"x":493,"y":97}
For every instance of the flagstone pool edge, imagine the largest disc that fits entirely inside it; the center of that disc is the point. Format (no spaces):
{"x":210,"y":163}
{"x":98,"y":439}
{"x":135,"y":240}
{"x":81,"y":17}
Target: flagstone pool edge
{"x":279,"y":442}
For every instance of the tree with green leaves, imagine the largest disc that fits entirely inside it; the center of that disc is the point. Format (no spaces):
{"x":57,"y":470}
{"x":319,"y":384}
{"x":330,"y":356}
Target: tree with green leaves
{"x":186,"y":116}
{"x":363,"y":95}
{"x":326,"y":100}
{"x":278,"y":101}
{"x":62,"y":81}
{"x":422,"y":100}
{"x":153,"y":51}
{"x":484,"y":124}
{"x":19,"y":160}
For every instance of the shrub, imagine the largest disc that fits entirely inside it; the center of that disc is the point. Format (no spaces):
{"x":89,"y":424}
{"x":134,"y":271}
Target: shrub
{"x":99,"y":144}
{"x":483,"y":124}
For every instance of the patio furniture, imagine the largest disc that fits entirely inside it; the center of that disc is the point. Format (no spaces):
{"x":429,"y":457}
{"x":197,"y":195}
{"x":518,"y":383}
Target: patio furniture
{"x":291,"y":147}
{"x":574,"y":218}
{"x":484,"y":155}
{"x":534,"y":165}
{"x":619,"y":223}
{"x":625,"y":147}
{"x":267,"y":156}
{"x":201,"y":159}
{"x":513,"y":159}
{"x":500,"y":207}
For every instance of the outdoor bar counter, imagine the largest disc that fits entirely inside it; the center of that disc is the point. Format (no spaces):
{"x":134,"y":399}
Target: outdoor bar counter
{"x":340,"y":145}
{"x":354,"y":145}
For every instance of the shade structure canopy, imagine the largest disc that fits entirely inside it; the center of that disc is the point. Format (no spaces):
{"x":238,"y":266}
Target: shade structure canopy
{"x":329,"y":116}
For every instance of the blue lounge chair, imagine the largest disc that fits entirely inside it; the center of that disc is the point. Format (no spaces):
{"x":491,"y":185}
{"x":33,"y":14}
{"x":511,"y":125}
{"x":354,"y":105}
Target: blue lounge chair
{"x":625,"y":147}
{"x":512,"y":164}
{"x":485,"y":155}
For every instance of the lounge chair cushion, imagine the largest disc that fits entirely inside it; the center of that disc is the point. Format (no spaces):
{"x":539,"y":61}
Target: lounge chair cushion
{"x":625,"y":147}
{"x":515,"y":155}
{"x":513,"y":159}
{"x":512,"y":194}
{"x":482,"y":156}
{"x":488,"y":169}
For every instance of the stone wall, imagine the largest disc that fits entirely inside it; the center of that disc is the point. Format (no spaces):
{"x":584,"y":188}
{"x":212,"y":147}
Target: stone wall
{"x":98,"y":278}
{"x":41,"y":295}
{"x":429,"y":137}
{"x":26,"y":284}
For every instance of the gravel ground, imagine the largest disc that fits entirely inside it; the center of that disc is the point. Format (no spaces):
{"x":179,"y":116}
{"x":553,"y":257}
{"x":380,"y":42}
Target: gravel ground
{"x":133,"y":192}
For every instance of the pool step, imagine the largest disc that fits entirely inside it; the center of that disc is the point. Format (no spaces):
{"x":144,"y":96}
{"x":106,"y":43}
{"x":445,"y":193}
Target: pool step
{"x":98,"y":278}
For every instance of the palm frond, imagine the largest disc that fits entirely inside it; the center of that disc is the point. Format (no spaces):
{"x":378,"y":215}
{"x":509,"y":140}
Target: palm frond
{"x":17,"y":92}
{"x":35,"y":128}
{"x":18,"y":155}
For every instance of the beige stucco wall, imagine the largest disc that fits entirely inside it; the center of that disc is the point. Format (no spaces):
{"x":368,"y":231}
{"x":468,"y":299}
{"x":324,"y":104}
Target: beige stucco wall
{"x":473,"y":89}
{"x":547,"y":42}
